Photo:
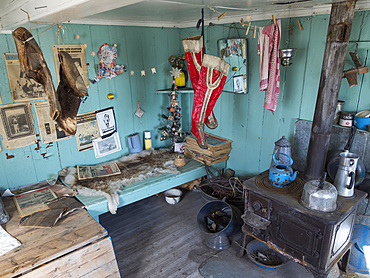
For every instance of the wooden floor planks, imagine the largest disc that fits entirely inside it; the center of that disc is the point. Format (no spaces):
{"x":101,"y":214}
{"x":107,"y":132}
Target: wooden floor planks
{"x":153,"y":239}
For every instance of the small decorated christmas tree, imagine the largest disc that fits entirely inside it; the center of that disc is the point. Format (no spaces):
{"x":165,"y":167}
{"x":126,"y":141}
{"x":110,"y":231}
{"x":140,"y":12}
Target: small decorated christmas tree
{"x":173,"y":127}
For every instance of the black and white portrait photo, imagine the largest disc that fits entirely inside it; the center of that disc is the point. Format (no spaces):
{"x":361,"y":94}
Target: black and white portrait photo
{"x":17,"y":121}
{"x":238,"y":84}
{"x":106,"y":121}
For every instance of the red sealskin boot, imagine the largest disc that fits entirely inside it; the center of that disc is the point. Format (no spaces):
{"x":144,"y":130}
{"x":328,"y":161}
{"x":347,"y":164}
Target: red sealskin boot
{"x":212,"y":79}
{"x":193,"y":47}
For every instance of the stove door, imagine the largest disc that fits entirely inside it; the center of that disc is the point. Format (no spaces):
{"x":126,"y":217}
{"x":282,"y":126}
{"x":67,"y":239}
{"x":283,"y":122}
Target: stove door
{"x":300,"y":239}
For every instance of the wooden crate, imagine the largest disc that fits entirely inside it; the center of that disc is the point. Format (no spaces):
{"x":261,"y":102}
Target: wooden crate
{"x":218,"y":149}
{"x":209,"y":160}
{"x":216,"y":144}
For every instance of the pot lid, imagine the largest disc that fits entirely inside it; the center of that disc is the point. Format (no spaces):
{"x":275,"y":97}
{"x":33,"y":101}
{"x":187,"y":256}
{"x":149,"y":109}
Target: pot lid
{"x":282,"y":142}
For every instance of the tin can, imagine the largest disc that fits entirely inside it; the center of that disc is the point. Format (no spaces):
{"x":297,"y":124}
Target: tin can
{"x":346,"y":118}
{"x":147,"y":140}
{"x":338,"y":110}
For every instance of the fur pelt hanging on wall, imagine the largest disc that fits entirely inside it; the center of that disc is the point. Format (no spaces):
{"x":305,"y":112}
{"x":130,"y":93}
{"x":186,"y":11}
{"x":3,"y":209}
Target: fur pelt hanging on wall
{"x":134,"y":167}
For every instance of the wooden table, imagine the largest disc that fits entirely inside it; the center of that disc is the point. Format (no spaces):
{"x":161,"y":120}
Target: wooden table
{"x":77,"y":246}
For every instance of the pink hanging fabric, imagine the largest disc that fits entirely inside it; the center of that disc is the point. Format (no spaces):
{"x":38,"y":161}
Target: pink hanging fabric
{"x":268,"y":49}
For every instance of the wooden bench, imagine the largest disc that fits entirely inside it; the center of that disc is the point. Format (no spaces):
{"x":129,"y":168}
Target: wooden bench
{"x":193,"y":169}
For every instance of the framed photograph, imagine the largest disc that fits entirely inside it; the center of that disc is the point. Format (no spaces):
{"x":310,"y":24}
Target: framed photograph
{"x":77,"y":53}
{"x":238,"y":82}
{"x":17,"y":121}
{"x":16,"y":125}
{"x":106,"y":121}
{"x":108,"y":145}
{"x":22,"y":88}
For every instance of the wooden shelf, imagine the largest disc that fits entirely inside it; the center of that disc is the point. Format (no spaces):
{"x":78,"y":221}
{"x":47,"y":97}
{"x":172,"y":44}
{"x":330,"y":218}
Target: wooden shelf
{"x":180,"y":91}
{"x":187,"y":91}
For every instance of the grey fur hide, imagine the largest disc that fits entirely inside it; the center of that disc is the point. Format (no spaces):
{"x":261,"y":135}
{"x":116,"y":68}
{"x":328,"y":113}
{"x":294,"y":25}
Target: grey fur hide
{"x":134,"y":167}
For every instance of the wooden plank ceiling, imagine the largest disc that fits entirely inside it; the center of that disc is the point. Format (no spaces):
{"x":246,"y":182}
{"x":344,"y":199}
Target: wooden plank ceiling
{"x":158,"y":13}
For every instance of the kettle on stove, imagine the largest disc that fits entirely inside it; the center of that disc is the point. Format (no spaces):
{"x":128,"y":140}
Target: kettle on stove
{"x":280,"y":174}
{"x":345,"y":178}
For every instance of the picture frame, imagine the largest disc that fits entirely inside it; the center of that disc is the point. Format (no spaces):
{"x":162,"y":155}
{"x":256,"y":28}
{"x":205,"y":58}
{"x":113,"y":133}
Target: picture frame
{"x":106,"y":121}
{"x":21,"y":88}
{"x":238,"y":82}
{"x":17,"y":121}
{"x":16,"y":125}
{"x":234,"y":51}
{"x":77,"y":53}
{"x":107,"y":145}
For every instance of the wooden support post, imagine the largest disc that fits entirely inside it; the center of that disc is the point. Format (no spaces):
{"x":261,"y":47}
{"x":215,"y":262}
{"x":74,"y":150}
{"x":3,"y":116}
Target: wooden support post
{"x":339,"y":30}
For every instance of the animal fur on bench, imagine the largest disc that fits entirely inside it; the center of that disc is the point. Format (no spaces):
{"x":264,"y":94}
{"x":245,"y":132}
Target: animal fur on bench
{"x":134,"y":168}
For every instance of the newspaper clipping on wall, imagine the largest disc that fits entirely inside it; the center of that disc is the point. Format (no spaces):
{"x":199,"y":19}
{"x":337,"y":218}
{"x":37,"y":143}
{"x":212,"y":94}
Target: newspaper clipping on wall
{"x":22,"y":88}
{"x":87,"y":131}
{"x":92,"y":171}
{"x":16,"y":125}
{"x":77,"y":53}
{"x":49,"y":130}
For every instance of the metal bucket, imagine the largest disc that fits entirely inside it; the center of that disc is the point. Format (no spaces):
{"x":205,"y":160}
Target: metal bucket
{"x":219,"y":240}
{"x":359,"y":260}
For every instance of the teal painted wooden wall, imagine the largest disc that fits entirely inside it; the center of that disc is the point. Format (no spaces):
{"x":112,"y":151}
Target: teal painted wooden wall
{"x":242,"y":118}
{"x":254,"y":129}
{"x":138,"y":49}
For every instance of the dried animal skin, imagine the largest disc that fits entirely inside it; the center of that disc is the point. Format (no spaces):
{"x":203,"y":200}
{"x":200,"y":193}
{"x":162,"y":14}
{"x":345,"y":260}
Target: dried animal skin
{"x":72,"y":74}
{"x":34,"y":66}
{"x":134,"y":168}
{"x":70,"y":90}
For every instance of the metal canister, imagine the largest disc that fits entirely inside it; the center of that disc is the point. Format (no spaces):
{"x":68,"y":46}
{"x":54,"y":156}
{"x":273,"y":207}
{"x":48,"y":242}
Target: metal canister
{"x":346,"y":118}
{"x":338,"y":110}
{"x":282,"y":146}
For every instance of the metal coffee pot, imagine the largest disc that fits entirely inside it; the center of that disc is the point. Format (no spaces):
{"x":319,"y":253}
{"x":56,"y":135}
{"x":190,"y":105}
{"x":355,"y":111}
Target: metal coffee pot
{"x":345,"y":178}
{"x":282,"y":146}
{"x":281,"y":175}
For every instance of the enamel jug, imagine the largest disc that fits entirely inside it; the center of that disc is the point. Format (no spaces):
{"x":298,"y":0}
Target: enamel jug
{"x":134,"y":143}
{"x":281,"y":175}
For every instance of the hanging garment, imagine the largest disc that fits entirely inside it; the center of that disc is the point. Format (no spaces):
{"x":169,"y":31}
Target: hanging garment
{"x":212,"y":78}
{"x":34,"y":66}
{"x":268,"y":49}
{"x":193,"y":47}
{"x":70,"y":90}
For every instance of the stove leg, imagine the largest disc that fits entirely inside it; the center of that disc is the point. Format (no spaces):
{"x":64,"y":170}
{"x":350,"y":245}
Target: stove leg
{"x":318,"y":275}
{"x":343,"y":263}
{"x":244,"y":244}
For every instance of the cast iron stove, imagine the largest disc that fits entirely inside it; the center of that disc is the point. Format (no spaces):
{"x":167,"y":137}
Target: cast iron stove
{"x":315,"y":239}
